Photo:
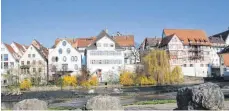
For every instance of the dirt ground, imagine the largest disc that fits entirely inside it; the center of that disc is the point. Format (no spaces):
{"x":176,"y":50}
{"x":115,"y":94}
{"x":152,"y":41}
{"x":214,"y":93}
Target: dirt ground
{"x":168,"y":106}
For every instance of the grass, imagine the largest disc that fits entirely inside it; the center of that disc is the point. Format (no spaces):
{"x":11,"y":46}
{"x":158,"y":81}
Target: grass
{"x":154,"y":102}
{"x":63,"y":108}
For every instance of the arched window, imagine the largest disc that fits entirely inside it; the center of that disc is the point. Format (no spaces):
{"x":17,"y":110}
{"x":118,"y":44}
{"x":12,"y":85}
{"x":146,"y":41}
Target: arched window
{"x":64,"y":59}
{"x":68,"y":50}
{"x":75,"y":58}
{"x":56,"y":59}
{"x":60,"y":51}
{"x":64,"y":43}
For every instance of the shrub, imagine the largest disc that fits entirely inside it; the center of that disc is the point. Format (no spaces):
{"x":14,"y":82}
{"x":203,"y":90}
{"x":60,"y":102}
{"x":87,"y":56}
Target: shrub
{"x":126,"y":78}
{"x":177,"y":76}
{"x":93,"y":81}
{"x":143,"y":80}
{"x":69,"y":81}
{"x":25,"y":84}
{"x":85,"y":84}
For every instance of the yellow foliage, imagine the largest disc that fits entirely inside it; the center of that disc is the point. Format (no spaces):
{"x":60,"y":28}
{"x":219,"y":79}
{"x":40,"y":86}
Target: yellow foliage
{"x":85,"y":84}
{"x":93,"y":81}
{"x":69,"y":81}
{"x":25,"y":84}
{"x":177,"y":76}
{"x":143,"y":80}
{"x":126,"y":78}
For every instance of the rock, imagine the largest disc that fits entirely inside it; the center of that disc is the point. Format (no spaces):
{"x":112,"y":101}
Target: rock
{"x":117,"y":91}
{"x":31,"y":104}
{"x":200,"y":97}
{"x":104,"y":103}
{"x":91,"y":91}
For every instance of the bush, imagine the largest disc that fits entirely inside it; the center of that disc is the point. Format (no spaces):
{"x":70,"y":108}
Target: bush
{"x":126,"y":78}
{"x":69,"y":81}
{"x":143,"y":80}
{"x":177,"y":76}
{"x":93,"y":81}
{"x":85,"y":84}
{"x":25,"y":84}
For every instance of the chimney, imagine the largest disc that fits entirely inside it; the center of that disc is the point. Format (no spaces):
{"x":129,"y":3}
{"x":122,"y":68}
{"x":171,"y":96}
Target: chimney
{"x":106,"y":30}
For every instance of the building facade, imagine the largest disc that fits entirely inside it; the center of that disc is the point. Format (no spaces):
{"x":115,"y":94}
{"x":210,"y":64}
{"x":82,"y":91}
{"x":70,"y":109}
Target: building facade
{"x":64,"y":58}
{"x":34,"y":64}
{"x":9,"y":63}
{"x":105,"y":57}
{"x":189,"y":49}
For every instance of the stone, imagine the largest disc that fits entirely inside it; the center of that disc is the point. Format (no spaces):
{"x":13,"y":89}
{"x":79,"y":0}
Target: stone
{"x":31,"y":104}
{"x":91,"y":91}
{"x":117,"y":91}
{"x":104,"y":103}
{"x":200,"y":97}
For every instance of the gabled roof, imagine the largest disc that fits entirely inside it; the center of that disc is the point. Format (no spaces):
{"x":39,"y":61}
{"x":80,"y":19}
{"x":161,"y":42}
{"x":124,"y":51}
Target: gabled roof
{"x":84,"y":42}
{"x":101,"y":35}
{"x":39,"y":51}
{"x":223,"y":34}
{"x":125,"y":40}
{"x":72,"y":41}
{"x":43,"y":50}
{"x":218,"y":40}
{"x":12,"y":52}
{"x":166,"y":40}
{"x":19,"y":46}
{"x":189,"y":36}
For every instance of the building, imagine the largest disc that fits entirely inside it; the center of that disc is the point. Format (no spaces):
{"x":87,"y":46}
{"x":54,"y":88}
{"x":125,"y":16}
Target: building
{"x":105,"y":57}
{"x":9,"y":63}
{"x":224,"y":35}
{"x":34,"y":63}
{"x":149,"y":44}
{"x":224,"y":63}
{"x":217,"y":45}
{"x":18,"y":48}
{"x":131,"y":54}
{"x":64,"y":59}
{"x":189,"y":49}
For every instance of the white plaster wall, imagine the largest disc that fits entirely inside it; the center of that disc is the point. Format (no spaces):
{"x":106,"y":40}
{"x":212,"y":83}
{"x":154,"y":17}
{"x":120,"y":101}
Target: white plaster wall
{"x":71,"y":64}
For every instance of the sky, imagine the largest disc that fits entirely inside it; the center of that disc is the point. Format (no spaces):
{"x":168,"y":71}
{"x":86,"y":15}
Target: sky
{"x":46,"y":20}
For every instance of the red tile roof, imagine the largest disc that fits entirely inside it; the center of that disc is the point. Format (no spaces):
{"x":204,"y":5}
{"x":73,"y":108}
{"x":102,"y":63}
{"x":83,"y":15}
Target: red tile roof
{"x":187,"y":35}
{"x":19,"y":46}
{"x":124,"y":40}
{"x":11,"y":50}
{"x":226,"y":59}
{"x":83,"y":42}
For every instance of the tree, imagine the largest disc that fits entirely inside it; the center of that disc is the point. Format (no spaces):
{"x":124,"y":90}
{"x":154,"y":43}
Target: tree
{"x":157,"y":65}
{"x":85,"y":75}
{"x":177,"y":76}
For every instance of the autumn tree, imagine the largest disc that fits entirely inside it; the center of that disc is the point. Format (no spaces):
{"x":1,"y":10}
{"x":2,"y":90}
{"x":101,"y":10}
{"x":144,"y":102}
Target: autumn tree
{"x":177,"y":76}
{"x":157,"y":65}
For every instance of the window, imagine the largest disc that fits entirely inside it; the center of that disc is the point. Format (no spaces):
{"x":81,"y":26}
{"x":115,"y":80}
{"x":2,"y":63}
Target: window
{"x":39,"y":69}
{"x":68,"y":50}
{"x":34,"y":62}
{"x":22,"y":62}
{"x":40,"y":62}
{"x":34,"y":69}
{"x":27,"y":71}
{"x":2,"y":49}
{"x":53,"y":59}
{"x":207,"y":65}
{"x":12,"y":64}
{"x":75,"y":58}
{"x":60,"y":51}
{"x":64,"y":59}
{"x":64,"y":43}
{"x":65,"y":67}
{"x":29,"y":55}
{"x":76,"y":67}
{"x":191,"y":65}
{"x":72,"y":58}
{"x":6,"y":65}
{"x":5,"y":57}
{"x":33,"y":55}
{"x":112,"y":45}
{"x":28,"y":62}
{"x":185,"y":65}
{"x":56,"y":59}
{"x":125,"y":60}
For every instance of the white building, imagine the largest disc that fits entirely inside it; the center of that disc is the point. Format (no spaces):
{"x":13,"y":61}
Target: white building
{"x":65,"y":58}
{"x":33,"y":64}
{"x":105,"y":57}
{"x":217,"y":45}
{"x":18,"y":48}
{"x":189,"y":49}
{"x":9,"y":62}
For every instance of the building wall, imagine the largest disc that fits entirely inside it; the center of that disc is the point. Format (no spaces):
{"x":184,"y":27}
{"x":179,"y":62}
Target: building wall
{"x":227,"y":40}
{"x":72,"y":59}
{"x":8,"y":63}
{"x":108,"y":59}
{"x":37,"y":65}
